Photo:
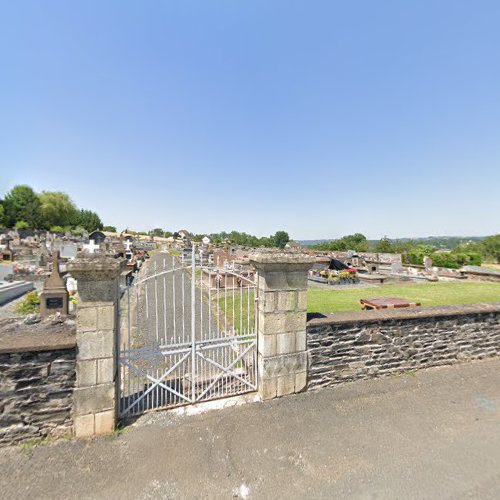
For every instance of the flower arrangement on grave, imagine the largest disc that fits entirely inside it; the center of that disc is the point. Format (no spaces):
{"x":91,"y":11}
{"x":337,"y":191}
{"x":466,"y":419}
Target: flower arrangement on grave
{"x":30,"y":304}
{"x":333,"y":277}
{"x":345,"y":275}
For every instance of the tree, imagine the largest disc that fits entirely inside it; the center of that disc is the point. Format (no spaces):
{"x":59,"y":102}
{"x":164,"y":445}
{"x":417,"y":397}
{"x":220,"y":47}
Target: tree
{"x":384,"y":246}
{"x":111,"y":229}
{"x":89,"y":220}
{"x":2,"y":215}
{"x":491,"y":247}
{"x":281,"y":238}
{"x":356,"y":241}
{"x":21,"y":203}
{"x":57,"y":209}
{"x":158,"y":231}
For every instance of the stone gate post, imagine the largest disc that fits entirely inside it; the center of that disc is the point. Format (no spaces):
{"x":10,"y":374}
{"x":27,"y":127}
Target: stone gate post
{"x":282,"y":315}
{"x":95,"y":395}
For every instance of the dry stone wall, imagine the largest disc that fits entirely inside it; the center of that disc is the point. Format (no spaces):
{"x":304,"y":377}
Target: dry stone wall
{"x":36,"y":394}
{"x":350,"y":346}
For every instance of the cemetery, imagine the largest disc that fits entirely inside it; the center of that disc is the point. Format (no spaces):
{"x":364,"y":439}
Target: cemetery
{"x":66,"y":283}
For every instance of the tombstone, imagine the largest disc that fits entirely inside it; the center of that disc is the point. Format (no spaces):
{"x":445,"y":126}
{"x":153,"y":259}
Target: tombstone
{"x":43,"y":258}
{"x":7,"y":253}
{"x":90,"y":247}
{"x":428,"y":263}
{"x":54,"y":296}
{"x":68,"y":251}
{"x":97,"y":237}
{"x":129,"y":253}
{"x":396,"y":268}
{"x":6,"y":272}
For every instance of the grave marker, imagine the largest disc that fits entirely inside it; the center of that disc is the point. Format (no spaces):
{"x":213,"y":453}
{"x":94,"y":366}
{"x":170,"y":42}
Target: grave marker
{"x":428,"y":263}
{"x":90,"y":247}
{"x":54,"y":296}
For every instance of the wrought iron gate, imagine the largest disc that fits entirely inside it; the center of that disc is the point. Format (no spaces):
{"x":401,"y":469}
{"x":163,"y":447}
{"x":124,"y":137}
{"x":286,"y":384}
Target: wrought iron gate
{"x":187,"y":333}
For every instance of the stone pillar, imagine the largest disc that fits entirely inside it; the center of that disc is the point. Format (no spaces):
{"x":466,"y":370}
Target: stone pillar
{"x":282,"y":315}
{"x":95,"y":395}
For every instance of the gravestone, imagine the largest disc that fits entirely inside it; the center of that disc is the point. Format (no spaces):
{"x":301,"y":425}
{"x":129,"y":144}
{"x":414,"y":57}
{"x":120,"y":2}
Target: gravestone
{"x":396,"y":268}
{"x":43,"y":258}
{"x":68,"y":251}
{"x":97,"y":237}
{"x":90,"y":247}
{"x":54,"y":296}
{"x":428,"y":263}
{"x":7,"y":253}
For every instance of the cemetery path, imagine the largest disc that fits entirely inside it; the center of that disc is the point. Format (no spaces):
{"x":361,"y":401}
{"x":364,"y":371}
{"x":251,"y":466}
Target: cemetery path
{"x":164,"y":307}
{"x":431,"y":434}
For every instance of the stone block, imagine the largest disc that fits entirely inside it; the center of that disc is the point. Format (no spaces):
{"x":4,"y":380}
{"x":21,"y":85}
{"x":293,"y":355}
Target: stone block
{"x":284,"y":364}
{"x":86,"y":319}
{"x":272,"y":323}
{"x":95,"y":344}
{"x":272,"y":281}
{"x":287,"y":300}
{"x":285,"y":385}
{"x":297,"y":280}
{"x":300,"y":341}
{"x":105,"y":370}
{"x":84,"y":426}
{"x":267,"y":302}
{"x":285,"y":343}
{"x":300,"y":381}
{"x":94,"y":399}
{"x":268,"y":388}
{"x":106,"y":317}
{"x":266,"y":345}
{"x":105,"y":422}
{"x":302,"y":300}
{"x":295,"y":321}
{"x":86,"y":372}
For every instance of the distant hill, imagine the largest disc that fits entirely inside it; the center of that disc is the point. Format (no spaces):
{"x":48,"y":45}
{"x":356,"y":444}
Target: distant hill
{"x":436,"y":241}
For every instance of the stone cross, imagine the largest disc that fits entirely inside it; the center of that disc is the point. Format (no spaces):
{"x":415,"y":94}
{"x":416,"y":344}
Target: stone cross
{"x":90,"y":247}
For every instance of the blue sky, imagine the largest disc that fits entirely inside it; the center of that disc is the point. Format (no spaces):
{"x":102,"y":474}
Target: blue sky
{"x":321,"y":118}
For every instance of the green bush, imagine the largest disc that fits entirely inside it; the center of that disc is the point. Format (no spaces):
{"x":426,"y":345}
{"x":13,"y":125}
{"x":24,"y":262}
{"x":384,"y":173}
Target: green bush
{"x":20,"y":224}
{"x":451,"y":260}
{"x":30,"y":304}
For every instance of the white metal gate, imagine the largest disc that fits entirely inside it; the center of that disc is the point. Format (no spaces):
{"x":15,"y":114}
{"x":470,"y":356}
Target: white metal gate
{"x":187,"y":333}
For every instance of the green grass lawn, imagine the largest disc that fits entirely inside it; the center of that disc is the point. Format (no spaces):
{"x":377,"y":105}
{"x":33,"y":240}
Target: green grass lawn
{"x":428,"y":294}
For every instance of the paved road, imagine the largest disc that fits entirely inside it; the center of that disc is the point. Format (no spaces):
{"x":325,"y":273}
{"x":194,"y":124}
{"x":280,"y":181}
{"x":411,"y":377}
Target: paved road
{"x":431,"y":435}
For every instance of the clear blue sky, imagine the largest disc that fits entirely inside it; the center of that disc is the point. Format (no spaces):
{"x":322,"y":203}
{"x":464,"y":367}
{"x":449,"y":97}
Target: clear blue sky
{"x":318,"y":117}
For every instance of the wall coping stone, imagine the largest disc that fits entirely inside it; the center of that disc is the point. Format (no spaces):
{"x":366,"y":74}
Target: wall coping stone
{"x":95,"y":267}
{"x":16,"y":337}
{"x":270,"y":262}
{"x":375,"y":316}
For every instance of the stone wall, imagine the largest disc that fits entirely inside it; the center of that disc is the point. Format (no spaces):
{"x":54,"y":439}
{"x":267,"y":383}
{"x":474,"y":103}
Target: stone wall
{"x":37,"y":376}
{"x":364,"y":344}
